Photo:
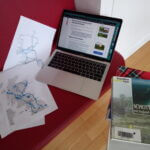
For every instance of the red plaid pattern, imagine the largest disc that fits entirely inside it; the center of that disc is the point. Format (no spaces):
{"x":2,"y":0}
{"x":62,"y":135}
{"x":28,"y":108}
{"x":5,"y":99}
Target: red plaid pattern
{"x":132,"y":73}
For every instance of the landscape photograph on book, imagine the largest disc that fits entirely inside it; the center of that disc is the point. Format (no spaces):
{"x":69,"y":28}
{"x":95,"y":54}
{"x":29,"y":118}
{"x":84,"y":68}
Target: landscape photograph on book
{"x":141,"y":96}
{"x":131,"y":109}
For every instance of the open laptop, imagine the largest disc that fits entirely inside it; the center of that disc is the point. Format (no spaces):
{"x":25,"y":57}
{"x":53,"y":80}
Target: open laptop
{"x":83,"y":55}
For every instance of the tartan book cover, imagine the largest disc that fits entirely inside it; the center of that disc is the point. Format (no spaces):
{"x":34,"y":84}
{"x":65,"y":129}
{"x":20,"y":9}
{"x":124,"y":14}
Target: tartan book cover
{"x":124,"y":71}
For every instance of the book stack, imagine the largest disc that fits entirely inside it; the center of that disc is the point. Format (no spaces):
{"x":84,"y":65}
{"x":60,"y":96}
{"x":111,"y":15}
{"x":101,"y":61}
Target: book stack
{"x":130,"y":111}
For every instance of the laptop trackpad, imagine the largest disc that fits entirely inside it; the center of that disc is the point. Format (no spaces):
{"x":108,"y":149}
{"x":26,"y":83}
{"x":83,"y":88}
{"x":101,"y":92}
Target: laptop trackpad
{"x":68,"y":81}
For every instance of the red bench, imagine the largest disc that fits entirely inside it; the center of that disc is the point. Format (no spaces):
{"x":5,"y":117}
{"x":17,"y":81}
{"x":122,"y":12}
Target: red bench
{"x":70,"y":105}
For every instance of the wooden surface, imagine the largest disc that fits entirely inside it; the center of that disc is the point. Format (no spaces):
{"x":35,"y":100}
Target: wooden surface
{"x":90,"y":130}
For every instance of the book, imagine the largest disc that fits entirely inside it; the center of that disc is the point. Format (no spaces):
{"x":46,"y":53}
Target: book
{"x":124,"y":71}
{"x":130,"y":110}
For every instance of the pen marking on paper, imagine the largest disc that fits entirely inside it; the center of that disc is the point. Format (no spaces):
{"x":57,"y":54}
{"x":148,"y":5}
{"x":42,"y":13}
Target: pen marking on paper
{"x":17,"y":93}
{"x":27,"y":45}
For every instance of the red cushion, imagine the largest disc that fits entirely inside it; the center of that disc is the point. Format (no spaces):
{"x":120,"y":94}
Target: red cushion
{"x":47,"y":12}
{"x":70,"y":105}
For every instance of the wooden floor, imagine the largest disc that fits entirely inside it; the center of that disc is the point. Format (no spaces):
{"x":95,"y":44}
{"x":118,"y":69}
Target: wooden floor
{"x":90,"y":130}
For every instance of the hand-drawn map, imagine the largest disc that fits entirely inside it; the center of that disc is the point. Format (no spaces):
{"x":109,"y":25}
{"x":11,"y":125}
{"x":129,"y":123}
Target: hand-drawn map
{"x":27,"y":48}
{"x":24,"y":99}
{"x":17,"y":96}
{"x":32,"y":42}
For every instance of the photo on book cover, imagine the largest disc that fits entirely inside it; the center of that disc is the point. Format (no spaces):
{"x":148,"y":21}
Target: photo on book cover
{"x":141,"y":96}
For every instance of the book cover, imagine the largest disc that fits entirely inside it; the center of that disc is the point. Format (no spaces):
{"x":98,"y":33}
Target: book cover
{"x":131,"y":111}
{"x":124,"y":71}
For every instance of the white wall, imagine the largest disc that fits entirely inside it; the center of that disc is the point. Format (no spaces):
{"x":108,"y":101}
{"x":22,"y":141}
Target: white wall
{"x":135,"y":30}
{"x":106,"y":7}
{"x":88,"y":6}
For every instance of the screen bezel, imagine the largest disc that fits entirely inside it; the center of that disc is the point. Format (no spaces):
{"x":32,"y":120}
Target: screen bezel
{"x":117,"y":20}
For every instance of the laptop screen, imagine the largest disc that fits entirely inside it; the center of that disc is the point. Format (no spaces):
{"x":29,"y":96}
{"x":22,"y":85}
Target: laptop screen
{"x":87,"y":34}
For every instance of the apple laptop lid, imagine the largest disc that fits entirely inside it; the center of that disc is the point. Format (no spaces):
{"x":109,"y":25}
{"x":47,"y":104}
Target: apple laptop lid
{"x":89,"y":35}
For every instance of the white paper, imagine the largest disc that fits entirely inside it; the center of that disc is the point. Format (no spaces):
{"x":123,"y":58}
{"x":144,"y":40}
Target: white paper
{"x":24,"y":99}
{"x":32,"y":41}
{"x":4,"y":129}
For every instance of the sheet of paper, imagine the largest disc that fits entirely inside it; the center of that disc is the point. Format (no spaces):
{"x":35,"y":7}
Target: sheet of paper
{"x":6,"y":130}
{"x":4,"y":124}
{"x":32,"y":41}
{"x":24,"y":99}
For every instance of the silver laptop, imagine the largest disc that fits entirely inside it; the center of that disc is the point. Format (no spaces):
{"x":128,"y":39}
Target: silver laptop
{"x":83,"y":55}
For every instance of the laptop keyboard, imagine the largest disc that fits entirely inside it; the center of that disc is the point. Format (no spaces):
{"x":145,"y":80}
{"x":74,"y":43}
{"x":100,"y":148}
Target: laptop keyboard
{"x":79,"y":66}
